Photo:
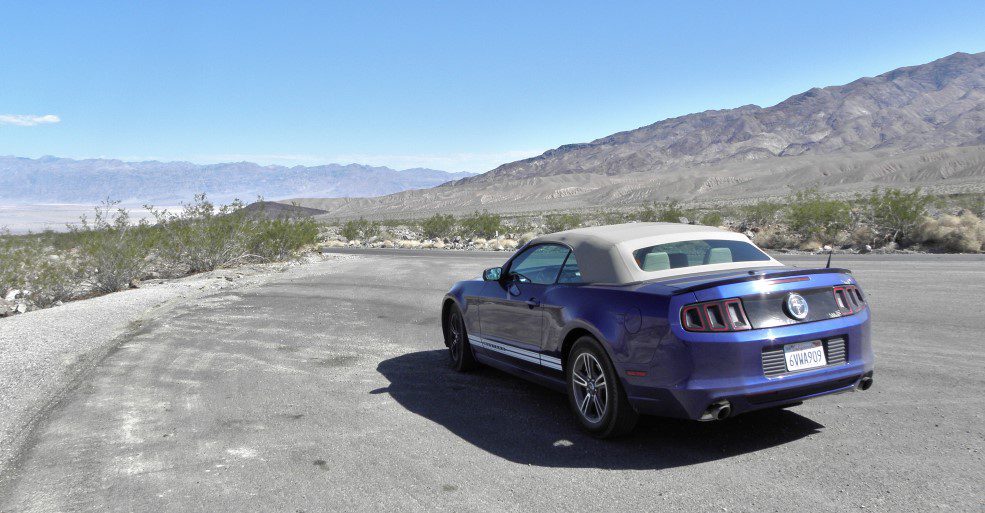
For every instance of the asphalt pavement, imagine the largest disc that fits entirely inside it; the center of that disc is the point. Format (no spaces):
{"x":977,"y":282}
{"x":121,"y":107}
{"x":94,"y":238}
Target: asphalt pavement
{"x":331,"y":391}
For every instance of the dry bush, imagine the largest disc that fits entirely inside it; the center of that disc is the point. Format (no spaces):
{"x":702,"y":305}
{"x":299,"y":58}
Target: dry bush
{"x":814,"y":216}
{"x":438,"y":226}
{"x":957,"y":234}
{"x":863,"y":235}
{"x":895,"y":214}
{"x":811,"y":245}
{"x":27,"y":263}
{"x":560,"y":222}
{"x":526,"y":237}
{"x":482,"y":224}
{"x":355,"y":229}
{"x":53,"y":280}
{"x":763,"y":213}
{"x":773,"y":237}
{"x":113,"y":251}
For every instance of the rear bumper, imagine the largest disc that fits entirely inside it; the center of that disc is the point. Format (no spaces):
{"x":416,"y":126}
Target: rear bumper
{"x":692,"y":403}
{"x":686,"y":376}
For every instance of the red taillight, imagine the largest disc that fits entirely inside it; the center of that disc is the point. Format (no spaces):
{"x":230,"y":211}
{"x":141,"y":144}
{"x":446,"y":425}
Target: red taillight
{"x":724,"y":315}
{"x":849,"y":299}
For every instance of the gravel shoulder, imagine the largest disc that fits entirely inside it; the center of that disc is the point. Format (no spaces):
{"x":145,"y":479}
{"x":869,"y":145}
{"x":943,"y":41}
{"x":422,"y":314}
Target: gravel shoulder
{"x":45,"y":353}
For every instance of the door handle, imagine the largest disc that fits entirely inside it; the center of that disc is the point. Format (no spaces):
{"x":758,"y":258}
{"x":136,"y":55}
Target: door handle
{"x":533,"y":302}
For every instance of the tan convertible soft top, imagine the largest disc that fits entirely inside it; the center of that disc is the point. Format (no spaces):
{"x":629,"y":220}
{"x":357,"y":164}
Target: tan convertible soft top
{"x":605,"y":253}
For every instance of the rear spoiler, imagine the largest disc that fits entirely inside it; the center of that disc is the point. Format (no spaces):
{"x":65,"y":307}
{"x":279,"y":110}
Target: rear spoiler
{"x":759,"y":274}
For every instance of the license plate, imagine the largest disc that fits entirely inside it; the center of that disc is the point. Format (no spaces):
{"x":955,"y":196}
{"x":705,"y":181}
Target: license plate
{"x":804,"y":355}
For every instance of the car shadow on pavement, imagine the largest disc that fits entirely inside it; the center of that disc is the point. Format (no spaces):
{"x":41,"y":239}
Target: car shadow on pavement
{"x":529,"y":424}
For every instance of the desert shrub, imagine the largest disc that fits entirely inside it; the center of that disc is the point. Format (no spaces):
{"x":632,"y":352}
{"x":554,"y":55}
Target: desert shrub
{"x":773,"y":237}
{"x":762,"y":213}
{"x":14,"y":257}
{"x":526,"y":237}
{"x":112,"y":250}
{"x":52,"y":279}
{"x":955,"y":234}
{"x":203,"y":236}
{"x":813,"y":216}
{"x":481,"y":224}
{"x":712,"y":219}
{"x":438,"y":226}
{"x":29,"y":263}
{"x":561,"y":222}
{"x":895,"y":214}
{"x":355,"y":229}
{"x":645,"y":214}
{"x":863,"y":235}
{"x":280,"y":238}
{"x":672,"y":212}
{"x":519,"y":225}
{"x":612,"y":217}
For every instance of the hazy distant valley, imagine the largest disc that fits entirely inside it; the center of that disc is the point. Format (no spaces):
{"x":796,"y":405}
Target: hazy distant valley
{"x":58,"y":180}
{"x":48,"y":192}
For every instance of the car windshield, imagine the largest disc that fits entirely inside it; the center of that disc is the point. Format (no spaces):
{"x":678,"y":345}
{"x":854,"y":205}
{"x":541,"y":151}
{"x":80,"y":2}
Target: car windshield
{"x":691,"y":253}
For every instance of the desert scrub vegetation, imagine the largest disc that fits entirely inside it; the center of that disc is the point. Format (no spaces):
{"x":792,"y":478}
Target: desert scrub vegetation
{"x":482,"y":224}
{"x":884,"y":219}
{"x":964,"y":233}
{"x":671,"y":212}
{"x":438,"y":226}
{"x":356,"y":229}
{"x":204,"y":236}
{"x":25,"y":265}
{"x":112,"y":251}
{"x":109,"y":251}
{"x":816,"y":217}
{"x":561,"y":222}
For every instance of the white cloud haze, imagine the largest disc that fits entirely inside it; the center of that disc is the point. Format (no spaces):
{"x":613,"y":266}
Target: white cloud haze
{"x":28,"y":119}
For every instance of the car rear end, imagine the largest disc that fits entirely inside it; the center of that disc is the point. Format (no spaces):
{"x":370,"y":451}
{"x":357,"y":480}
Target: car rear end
{"x":757,"y":339}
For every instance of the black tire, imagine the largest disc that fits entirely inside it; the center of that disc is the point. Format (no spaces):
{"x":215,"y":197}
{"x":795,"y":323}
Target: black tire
{"x":457,"y":341}
{"x":602,"y":410}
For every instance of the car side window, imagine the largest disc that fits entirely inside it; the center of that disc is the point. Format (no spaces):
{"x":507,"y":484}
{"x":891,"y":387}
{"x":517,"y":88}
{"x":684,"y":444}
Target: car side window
{"x":539,"y":264}
{"x":570,"y":272}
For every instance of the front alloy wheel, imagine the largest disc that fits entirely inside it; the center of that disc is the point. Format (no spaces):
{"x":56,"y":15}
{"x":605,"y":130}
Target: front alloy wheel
{"x":457,"y":340}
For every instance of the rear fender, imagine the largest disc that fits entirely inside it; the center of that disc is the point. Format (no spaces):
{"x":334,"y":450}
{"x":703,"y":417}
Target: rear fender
{"x":629,"y":324}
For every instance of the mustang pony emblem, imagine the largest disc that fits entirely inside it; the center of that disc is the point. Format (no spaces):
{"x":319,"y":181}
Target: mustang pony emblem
{"x":797,"y":306}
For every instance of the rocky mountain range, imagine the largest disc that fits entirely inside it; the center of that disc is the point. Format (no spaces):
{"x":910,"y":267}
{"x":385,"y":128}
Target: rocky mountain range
{"x":59,"y":180}
{"x":915,"y":126}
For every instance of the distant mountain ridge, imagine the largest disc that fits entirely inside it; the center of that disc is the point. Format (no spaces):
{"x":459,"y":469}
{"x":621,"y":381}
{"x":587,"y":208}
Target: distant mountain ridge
{"x":59,"y":180}
{"x":936,"y":105}
{"x":919,"y":125}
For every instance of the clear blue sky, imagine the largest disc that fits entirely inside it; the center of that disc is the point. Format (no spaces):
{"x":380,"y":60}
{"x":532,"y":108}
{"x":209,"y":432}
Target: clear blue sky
{"x":450,"y":85}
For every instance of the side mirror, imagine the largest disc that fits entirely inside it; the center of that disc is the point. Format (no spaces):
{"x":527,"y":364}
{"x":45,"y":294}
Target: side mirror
{"x":492,"y":274}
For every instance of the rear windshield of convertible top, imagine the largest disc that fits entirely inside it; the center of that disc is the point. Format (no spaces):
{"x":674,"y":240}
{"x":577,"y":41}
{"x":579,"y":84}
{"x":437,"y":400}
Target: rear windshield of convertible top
{"x":690,"y":253}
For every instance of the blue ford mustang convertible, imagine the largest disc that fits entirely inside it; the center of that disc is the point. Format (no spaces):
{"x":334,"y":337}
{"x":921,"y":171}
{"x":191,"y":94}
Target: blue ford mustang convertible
{"x":662,"y":319}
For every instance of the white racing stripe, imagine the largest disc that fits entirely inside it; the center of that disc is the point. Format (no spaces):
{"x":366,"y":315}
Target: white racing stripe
{"x":516,"y":352}
{"x":550,"y":361}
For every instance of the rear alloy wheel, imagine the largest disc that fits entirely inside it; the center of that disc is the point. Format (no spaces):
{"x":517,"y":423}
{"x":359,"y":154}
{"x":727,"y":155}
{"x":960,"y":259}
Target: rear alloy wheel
{"x":595,"y":393}
{"x":457,"y":340}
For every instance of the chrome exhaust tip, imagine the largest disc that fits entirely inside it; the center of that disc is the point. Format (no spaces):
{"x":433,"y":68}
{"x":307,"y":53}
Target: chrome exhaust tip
{"x":865,"y":383}
{"x":719,"y":410}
